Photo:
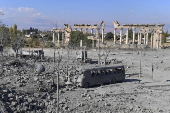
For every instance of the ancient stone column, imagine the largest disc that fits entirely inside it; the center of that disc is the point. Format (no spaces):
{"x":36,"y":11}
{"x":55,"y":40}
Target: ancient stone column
{"x":134,"y":35}
{"x":58,"y":37}
{"x":114,"y":35}
{"x":86,"y":30}
{"x":138,"y":38}
{"x":155,"y":38}
{"x":121,"y":31}
{"x":102,"y":35}
{"x":53,"y":37}
{"x":160,"y":42}
{"x":127,"y":35}
{"x":81,"y":43}
{"x":147,"y":35}
{"x":81,"y":29}
{"x":63,"y":38}
{"x":91,"y":31}
{"x":151,"y":40}
{"x":97,"y":33}
{"x":158,"y":39}
{"x":93,"y":43}
{"x":144,"y":41}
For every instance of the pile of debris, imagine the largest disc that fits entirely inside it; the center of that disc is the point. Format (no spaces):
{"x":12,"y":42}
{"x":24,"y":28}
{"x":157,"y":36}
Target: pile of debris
{"x":13,"y":101}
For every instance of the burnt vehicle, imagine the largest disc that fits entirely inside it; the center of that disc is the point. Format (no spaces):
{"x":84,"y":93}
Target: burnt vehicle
{"x":100,"y":75}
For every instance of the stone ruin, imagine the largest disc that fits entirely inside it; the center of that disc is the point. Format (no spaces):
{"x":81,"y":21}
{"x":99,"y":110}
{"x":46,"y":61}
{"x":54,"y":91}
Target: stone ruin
{"x":142,"y":40}
{"x":142,"y":29}
{"x":67,"y":30}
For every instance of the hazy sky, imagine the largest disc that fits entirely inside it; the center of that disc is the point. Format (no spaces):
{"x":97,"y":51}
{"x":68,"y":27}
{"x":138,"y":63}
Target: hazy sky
{"x":41,"y":13}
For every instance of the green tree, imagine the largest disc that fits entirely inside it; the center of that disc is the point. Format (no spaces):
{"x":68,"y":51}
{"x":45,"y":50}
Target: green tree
{"x":76,"y":36}
{"x":35,"y":42}
{"x":32,"y":42}
{"x":28,"y":42}
{"x":164,"y":35}
{"x":15,"y":29}
{"x":4,"y":35}
{"x":109,"y":36}
{"x":11,"y":31}
{"x":23,"y":32}
{"x":49,"y":38}
{"x":49,"y":44}
{"x":19,"y":33}
{"x":130,"y":34}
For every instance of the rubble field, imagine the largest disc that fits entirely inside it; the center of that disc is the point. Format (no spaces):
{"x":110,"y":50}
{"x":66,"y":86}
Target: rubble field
{"x":146,"y":88}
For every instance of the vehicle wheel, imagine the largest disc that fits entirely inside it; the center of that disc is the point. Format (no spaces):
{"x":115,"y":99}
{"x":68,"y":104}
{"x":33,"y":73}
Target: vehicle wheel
{"x":86,"y":85}
{"x":113,"y":81}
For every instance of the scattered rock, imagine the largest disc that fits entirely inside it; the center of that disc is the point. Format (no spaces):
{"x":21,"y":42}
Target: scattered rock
{"x":107,"y":104}
{"x":13,"y":103}
{"x":35,"y":78}
{"x":40,"y":68}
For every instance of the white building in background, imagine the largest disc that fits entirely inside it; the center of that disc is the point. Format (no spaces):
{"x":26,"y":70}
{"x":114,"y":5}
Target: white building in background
{"x":28,"y":36}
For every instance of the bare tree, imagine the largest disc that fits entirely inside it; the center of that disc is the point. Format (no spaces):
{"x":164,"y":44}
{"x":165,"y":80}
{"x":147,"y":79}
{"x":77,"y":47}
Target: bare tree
{"x":17,"y":44}
{"x":1,"y":20}
{"x":4,"y":37}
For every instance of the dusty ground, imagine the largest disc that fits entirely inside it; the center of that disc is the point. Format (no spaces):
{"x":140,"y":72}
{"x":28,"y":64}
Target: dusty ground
{"x":22,"y":89}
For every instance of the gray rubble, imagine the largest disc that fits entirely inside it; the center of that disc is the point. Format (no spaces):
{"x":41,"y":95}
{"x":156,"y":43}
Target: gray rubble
{"x":24,"y":90}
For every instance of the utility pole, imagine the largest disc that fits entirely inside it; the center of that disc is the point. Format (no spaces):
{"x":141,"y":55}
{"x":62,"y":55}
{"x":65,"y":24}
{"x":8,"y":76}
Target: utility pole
{"x":54,"y":68}
{"x":84,"y":54}
{"x":42,"y":46}
{"x":97,"y":32}
{"x":97,"y":36}
{"x":67,"y":60}
{"x":140,"y":67}
{"x":58,"y":69}
{"x":140,"y":71}
{"x":152,"y":71}
{"x":42,"y":43}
